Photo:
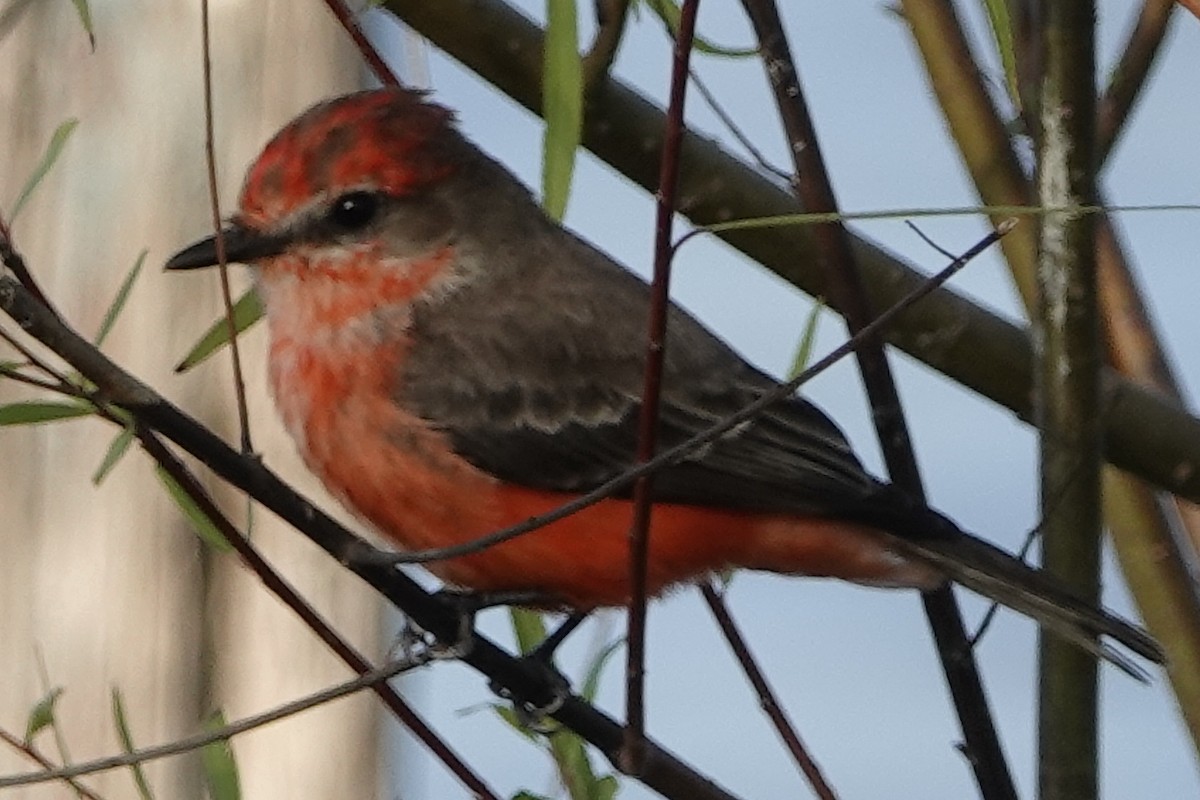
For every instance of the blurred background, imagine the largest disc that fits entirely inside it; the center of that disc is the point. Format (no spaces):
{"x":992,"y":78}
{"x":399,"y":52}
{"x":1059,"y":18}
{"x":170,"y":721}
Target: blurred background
{"x":105,"y":587}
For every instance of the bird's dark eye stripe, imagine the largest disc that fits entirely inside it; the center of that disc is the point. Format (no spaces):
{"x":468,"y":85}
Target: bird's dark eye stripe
{"x":354,"y":210}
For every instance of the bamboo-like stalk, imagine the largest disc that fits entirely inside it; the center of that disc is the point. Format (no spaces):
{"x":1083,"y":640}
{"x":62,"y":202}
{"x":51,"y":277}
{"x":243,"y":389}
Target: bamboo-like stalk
{"x":1069,"y":357}
{"x":1155,"y":562}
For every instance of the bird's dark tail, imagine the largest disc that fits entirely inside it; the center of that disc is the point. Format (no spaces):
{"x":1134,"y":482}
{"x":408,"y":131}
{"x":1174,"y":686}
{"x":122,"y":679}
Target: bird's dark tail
{"x":1000,"y":576}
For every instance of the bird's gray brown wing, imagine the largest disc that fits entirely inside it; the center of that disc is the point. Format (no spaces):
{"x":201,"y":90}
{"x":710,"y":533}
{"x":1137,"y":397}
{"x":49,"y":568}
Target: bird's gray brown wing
{"x":542,"y":388}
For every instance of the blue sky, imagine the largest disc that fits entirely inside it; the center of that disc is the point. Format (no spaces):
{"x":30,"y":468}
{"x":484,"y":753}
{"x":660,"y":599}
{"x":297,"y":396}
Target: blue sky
{"x":855,"y":667}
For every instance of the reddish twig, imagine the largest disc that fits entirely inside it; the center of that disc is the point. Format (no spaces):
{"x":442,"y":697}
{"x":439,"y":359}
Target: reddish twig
{"x":766,"y":696}
{"x":639,"y":535}
{"x":383,"y":73}
{"x":34,"y":755}
{"x":279,"y":586}
{"x":813,"y":188}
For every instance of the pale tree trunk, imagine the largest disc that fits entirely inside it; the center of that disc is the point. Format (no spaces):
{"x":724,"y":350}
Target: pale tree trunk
{"x":107,"y":586}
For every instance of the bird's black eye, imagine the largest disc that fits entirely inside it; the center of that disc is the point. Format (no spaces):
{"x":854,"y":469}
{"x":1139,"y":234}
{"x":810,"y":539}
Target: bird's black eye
{"x":354,"y":210}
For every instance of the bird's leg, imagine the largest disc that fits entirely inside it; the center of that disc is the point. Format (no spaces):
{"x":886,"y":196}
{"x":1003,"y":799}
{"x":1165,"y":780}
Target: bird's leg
{"x":542,"y":658}
{"x":466,"y":604}
{"x":544,"y":652}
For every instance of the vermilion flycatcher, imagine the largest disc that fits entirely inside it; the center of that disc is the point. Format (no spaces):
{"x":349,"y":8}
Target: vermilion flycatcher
{"x":450,"y":361}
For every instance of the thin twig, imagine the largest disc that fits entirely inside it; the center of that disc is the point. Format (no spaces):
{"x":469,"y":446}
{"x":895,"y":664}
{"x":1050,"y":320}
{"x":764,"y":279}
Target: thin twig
{"x":189,"y":744}
{"x":282,"y":589}
{"x":611,"y":16}
{"x":845,"y":285}
{"x":383,"y":73}
{"x":1130,"y":73}
{"x":766,"y":697}
{"x":210,"y":157}
{"x":656,"y":345}
{"x":33,"y":753}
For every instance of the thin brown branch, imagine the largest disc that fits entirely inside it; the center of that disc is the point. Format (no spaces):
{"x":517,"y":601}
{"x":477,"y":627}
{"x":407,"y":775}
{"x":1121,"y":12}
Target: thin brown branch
{"x":32,"y":753}
{"x":281,"y":588}
{"x":656,"y":347}
{"x":210,"y":158}
{"x":1129,"y":75}
{"x":766,"y":697}
{"x":368,"y":680}
{"x":383,"y":73}
{"x":611,"y":16}
{"x":815,"y":192}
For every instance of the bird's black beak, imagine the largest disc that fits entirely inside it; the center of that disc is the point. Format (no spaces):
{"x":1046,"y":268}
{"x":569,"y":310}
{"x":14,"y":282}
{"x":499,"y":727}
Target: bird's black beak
{"x":242,"y":245}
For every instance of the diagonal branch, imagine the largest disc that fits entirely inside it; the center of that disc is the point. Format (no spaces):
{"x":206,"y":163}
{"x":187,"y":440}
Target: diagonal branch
{"x":662,"y":771}
{"x":812,"y":185}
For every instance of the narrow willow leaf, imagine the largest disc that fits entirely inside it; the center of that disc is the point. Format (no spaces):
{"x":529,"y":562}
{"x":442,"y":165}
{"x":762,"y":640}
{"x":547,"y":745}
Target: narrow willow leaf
{"x":808,"y":337}
{"x":41,"y":716}
{"x":116,"y":449}
{"x":118,"y":303}
{"x":529,"y":628}
{"x":35,"y":412}
{"x":528,"y":795}
{"x":562,"y":105}
{"x":246,"y":311}
{"x":668,"y":12}
{"x":122,"y":725}
{"x":220,"y":766}
{"x":606,"y":788}
{"x":85,"y":18}
{"x":574,"y":766}
{"x":203,"y":526}
{"x":53,"y":150}
{"x":1002,"y":31}
{"x":507,"y":714}
{"x":591,"y":681}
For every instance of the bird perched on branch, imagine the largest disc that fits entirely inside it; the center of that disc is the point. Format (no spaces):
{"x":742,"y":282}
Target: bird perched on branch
{"x":450,"y":362}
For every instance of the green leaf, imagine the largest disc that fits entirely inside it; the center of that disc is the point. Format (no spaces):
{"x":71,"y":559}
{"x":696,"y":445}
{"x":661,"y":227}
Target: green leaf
{"x":41,"y":716}
{"x":116,"y":449}
{"x":246,"y":311}
{"x":85,"y":18}
{"x":606,"y":788}
{"x":36,"y":412}
{"x":122,"y":724}
{"x":118,"y":303}
{"x":562,"y":105}
{"x":527,"y":795}
{"x":1002,"y":31}
{"x":668,"y":12}
{"x":53,"y":150}
{"x":509,"y":715}
{"x":807,"y":338}
{"x":591,"y":681}
{"x":529,"y":628}
{"x":220,"y":766}
{"x":574,"y":766}
{"x":203,"y":526}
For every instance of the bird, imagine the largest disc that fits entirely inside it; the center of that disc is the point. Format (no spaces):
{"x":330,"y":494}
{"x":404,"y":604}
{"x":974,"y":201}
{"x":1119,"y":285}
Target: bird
{"x":450,"y":361}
